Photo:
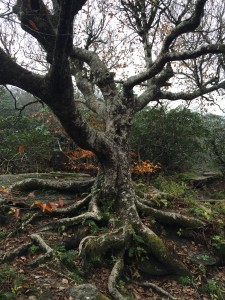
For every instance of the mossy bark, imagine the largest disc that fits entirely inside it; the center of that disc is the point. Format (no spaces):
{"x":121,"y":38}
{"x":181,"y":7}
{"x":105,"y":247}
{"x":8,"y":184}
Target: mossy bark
{"x":114,"y":188}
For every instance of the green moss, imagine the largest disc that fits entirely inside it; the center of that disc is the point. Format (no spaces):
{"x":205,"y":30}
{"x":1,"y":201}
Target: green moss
{"x":159,"y":250}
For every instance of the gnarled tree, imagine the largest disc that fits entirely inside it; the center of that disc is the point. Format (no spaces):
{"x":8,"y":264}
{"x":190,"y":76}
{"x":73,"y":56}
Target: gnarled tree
{"x":180,"y":40}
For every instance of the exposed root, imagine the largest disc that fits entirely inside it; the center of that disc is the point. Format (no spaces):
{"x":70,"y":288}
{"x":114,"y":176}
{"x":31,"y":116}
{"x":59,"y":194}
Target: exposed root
{"x":34,"y":217}
{"x":41,"y":243}
{"x":49,"y":184}
{"x":115,"y":274}
{"x":43,"y":246}
{"x":158,"y":289}
{"x":169,"y":217}
{"x":102,"y":243}
{"x":157,"y":247}
{"x":93,"y":213}
{"x":66,"y":222}
{"x":58,"y":211}
{"x":60,"y":274}
{"x":72,"y":208}
{"x":10,"y":255}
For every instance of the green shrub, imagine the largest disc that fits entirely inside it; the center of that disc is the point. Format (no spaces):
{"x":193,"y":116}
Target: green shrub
{"x":172,"y":138}
{"x":35,"y":140}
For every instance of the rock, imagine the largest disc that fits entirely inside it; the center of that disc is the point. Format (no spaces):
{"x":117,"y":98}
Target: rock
{"x":203,"y":258}
{"x":86,"y":292}
{"x":152,"y":267}
{"x":205,"y":179}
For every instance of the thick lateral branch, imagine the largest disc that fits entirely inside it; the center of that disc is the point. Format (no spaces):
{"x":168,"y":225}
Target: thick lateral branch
{"x":104,"y":79}
{"x":85,"y":86}
{"x":186,"y":26}
{"x":164,"y":58}
{"x":14,"y":74}
{"x":170,"y":217}
{"x":64,"y":37}
{"x":191,"y":95}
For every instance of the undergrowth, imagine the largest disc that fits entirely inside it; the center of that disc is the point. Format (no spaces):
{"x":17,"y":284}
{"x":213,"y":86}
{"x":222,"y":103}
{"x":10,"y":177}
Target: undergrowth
{"x":10,"y":282}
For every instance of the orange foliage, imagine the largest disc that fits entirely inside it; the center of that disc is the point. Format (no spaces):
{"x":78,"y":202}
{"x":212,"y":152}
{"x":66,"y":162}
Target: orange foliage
{"x":20,"y":148}
{"x":144,"y":167}
{"x":79,"y":154}
{"x":81,"y":161}
{"x":48,"y":206}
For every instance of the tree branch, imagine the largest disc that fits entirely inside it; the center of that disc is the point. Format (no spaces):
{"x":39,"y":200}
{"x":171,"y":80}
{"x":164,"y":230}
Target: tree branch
{"x":86,"y":88}
{"x":173,"y":56}
{"x":186,"y":26}
{"x":13,"y":74}
{"x":102,"y":77}
{"x":37,"y":21}
{"x":209,"y":49}
{"x":190,"y":96}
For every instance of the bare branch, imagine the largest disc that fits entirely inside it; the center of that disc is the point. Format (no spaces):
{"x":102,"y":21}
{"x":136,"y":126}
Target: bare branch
{"x":13,"y":74}
{"x":186,"y":26}
{"x":190,"y":96}
{"x":173,"y":56}
{"x":86,"y":88}
{"x":25,"y":105}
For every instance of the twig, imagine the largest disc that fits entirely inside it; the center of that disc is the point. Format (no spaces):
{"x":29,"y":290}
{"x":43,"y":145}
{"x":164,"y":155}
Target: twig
{"x":59,"y":274}
{"x":156,"y":288}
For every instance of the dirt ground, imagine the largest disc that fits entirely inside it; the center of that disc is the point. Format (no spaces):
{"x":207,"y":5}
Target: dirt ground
{"x":20,"y":279}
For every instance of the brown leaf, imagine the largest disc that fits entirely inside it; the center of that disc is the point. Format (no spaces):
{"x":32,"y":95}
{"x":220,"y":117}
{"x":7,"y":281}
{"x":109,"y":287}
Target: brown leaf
{"x":20,"y":148}
{"x":33,"y":25}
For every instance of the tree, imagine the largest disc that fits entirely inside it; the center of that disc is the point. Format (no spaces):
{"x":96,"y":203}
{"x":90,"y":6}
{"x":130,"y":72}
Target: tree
{"x":35,"y":140}
{"x":178,"y":39}
{"x":215,"y":126}
{"x":172,"y":138}
{"x":6,"y":102}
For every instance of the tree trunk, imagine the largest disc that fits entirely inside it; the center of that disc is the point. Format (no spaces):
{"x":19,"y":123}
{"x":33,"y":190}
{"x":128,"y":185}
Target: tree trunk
{"x":114,"y":190}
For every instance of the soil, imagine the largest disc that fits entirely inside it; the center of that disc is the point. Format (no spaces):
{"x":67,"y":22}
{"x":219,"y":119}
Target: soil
{"x":51,"y":280}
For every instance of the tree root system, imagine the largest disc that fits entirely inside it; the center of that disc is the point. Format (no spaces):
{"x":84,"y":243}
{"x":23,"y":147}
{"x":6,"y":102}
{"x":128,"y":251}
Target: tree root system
{"x":118,"y":236}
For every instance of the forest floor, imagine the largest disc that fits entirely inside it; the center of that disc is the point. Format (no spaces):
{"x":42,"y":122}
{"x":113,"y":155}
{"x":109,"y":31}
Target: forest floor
{"x":19,"y":279}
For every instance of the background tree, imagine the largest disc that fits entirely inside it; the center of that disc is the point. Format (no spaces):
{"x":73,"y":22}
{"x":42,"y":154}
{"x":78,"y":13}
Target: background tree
{"x":215,"y":126}
{"x":171,"y":35}
{"x":25,"y":146}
